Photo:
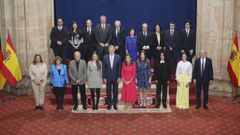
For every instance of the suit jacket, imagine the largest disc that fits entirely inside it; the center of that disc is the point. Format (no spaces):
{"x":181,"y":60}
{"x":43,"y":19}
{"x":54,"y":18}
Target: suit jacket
{"x":79,"y":74}
{"x":155,"y":44}
{"x":58,"y":35}
{"x":56,"y":79}
{"x":89,"y":39}
{"x":188,"y":42}
{"x":171,"y":42}
{"x":103,"y":36}
{"x":111,"y":73}
{"x":118,"y":41}
{"x":143,"y":41}
{"x":207,"y":73}
{"x":161,"y":72}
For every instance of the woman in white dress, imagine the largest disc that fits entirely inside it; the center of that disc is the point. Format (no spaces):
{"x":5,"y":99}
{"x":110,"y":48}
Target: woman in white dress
{"x":184,"y":78}
{"x":38,"y":75}
{"x":94,"y":75}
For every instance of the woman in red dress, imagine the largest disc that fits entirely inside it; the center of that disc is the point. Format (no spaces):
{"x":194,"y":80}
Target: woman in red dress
{"x":129,"y":85}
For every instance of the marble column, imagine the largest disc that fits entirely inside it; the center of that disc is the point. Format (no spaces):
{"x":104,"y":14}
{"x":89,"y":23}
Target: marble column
{"x":29,"y":23}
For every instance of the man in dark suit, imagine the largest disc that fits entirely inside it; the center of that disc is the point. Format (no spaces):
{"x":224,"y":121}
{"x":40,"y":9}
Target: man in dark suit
{"x":103,"y":36}
{"x":157,"y":42}
{"x":89,"y":41}
{"x":112,"y":75}
{"x":145,"y":41}
{"x":118,"y":39}
{"x":162,"y":78}
{"x":203,"y":76}
{"x":171,"y":39}
{"x":188,"y":41}
{"x":59,"y":39}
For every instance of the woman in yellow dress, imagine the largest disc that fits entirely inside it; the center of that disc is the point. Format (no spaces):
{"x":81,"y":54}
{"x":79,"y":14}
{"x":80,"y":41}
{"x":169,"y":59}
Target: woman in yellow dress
{"x":183,"y":77}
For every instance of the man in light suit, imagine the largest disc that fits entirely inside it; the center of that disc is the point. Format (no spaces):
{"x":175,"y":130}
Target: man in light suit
{"x":202,"y":77}
{"x":103,"y":36}
{"x":77,"y":74}
{"x":112,"y":75}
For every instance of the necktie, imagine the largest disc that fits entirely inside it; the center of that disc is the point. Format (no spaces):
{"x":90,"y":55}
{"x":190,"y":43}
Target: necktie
{"x":111,"y":60}
{"x":103,"y":27}
{"x":187,"y":32}
{"x":89,"y":31}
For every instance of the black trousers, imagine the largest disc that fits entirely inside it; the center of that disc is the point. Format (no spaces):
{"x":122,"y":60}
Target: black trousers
{"x":59,"y":51}
{"x":59,"y":95}
{"x":202,"y":87}
{"x":101,"y":52}
{"x":161,"y":88}
{"x":82,"y":93}
{"x":93,"y":90}
{"x":112,"y":92}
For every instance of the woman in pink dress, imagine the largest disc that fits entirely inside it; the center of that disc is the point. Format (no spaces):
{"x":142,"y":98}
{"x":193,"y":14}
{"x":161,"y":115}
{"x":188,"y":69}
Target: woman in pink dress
{"x":129,"y":85}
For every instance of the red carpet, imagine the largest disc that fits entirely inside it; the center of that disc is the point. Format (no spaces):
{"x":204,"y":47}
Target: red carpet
{"x":18,"y":117}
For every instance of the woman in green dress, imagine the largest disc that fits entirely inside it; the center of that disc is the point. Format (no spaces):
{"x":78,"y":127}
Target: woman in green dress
{"x":184,"y":78}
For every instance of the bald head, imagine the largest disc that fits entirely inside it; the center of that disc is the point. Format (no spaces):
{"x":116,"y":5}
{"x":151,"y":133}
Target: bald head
{"x":144,"y":27}
{"x":77,"y":55}
{"x":203,"y":53}
{"x":117,"y":24}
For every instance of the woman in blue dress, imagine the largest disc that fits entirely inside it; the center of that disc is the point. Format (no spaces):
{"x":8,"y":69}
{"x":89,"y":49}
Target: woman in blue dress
{"x":131,"y":44}
{"x":143,"y":78}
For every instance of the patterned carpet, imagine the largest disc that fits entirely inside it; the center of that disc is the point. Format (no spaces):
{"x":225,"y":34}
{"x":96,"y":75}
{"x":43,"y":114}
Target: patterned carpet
{"x":18,"y":118}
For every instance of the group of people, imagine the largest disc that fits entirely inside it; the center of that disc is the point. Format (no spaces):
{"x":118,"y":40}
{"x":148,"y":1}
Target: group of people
{"x":104,"y":55}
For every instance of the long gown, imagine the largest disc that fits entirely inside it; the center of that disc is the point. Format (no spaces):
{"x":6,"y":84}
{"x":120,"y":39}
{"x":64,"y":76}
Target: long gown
{"x":129,"y":91}
{"x":131,"y":47}
{"x":184,"y":76}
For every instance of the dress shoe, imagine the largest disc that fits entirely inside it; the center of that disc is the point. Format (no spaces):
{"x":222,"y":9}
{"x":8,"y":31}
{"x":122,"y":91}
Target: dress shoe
{"x":157,"y":106}
{"x":164,"y":106}
{"x":75,"y":108}
{"x":57,"y":108}
{"x":93,"y":107}
{"x":109,"y":108}
{"x":198,"y":106}
{"x":115,"y":107}
{"x":84,"y":107}
{"x":36,"y":108}
{"x":205,"y":107}
{"x":96,"y":107}
{"x":41,"y":108}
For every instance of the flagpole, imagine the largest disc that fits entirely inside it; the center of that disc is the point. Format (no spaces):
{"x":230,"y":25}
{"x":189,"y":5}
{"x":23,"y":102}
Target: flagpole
{"x":1,"y":91}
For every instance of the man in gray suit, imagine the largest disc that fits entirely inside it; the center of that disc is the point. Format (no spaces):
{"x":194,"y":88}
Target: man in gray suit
{"x":103,"y":36}
{"x":77,"y":73}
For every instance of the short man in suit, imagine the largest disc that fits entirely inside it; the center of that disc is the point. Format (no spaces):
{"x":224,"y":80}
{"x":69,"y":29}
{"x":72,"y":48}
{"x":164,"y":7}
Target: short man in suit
{"x":59,"y":39}
{"x":77,"y":74}
{"x":103,"y":36}
{"x":171,"y":39}
{"x":202,"y":76}
{"x":118,"y":38}
{"x":188,"y":41}
{"x":145,"y":41}
{"x":89,"y":41}
{"x":162,"y":78}
{"x":112,"y":75}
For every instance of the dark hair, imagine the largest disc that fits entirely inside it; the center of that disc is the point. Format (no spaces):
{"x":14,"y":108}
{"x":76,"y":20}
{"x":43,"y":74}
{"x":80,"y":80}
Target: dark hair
{"x":125,"y":60}
{"x":131,"y":30}
{"x":34,"y":60}
{"x":183,"y":53}
{"x":172,"y":22}
{"x":154,"y":27}
{"x":145,"y":59}
{"x":74,"y":22}
{"x":187,"y":21}
{"x":97,"y":61}
{"x":57,"y":58}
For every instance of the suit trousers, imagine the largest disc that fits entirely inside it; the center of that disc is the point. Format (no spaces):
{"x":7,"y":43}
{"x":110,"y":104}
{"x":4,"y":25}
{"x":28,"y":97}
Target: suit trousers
{"x":112,"y":92}
{"x":82,"y":90}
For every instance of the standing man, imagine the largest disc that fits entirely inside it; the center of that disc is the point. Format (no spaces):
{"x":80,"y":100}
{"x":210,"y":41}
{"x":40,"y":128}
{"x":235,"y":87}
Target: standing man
{"x":118,"y":39}
{"x":59,"y":37}
{"x":145,"y":41}
{"x":112,"y":75}
{"x":188,"y":41}
{"x":89,"y":40}
{"x":171,"y":38}
{"x":203,"y":76}
{"x":103,"y":36}
{"x":78,"y":74}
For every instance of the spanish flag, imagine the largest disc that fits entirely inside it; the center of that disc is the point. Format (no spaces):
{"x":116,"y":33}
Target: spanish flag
{"x":233,"y":66}
{"x":2,"y":78}
{"x":11,"y":69}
